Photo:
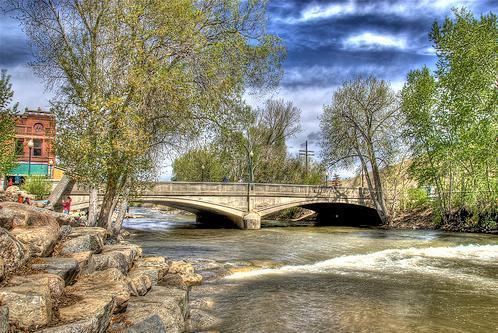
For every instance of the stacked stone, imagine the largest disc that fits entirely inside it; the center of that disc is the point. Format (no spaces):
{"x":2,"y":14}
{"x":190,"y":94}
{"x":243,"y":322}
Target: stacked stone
{"x":58,"y":278}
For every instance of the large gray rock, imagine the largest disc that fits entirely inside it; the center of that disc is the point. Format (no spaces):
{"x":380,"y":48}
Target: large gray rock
{"x":4,"y":319}
{"x":2,"y":269}
{"x":13,"y":252}
{"x":140,"y":281}
{"x":118,"y":256}
{"x":202,"y":321}
{"x":169,"y":304}
{"x":181,"y":274}
{"x":40,"y":240}
{"x":154,"y":267}
{"x":152,"y":324}
{"x":90,"y":315}
{"x":82,"y":231}
{"x":85,"y":261}
{"x":110,"y":283}
{"x":14,"y":215}
{"x":84,"y":243}
{"x":54,"y":283}
{"x":66,"y":268}
{"x":30,"y":306}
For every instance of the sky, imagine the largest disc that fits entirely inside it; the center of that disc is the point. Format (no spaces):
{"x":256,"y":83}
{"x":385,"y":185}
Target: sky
{"x":327,"y":43}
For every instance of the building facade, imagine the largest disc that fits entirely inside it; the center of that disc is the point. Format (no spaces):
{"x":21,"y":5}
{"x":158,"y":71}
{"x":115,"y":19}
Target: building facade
{"x":34,"y":140}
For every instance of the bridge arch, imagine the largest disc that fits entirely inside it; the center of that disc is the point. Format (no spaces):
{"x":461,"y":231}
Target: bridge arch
{"x":332,"y":212}
{"x":197,"y":207}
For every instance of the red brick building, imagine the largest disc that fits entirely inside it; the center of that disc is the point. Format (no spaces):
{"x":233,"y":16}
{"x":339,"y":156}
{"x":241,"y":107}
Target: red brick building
{"x":38,"y":127}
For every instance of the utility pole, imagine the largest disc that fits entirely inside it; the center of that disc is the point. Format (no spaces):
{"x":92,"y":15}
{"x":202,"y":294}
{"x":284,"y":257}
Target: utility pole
{"x":306,"y":153}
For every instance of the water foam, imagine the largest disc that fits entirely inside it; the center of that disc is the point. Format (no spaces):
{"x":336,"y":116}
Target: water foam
{"x":398,"y":261}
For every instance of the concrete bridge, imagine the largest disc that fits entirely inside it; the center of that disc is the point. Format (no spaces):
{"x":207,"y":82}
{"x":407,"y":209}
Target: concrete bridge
{"x":245,"y":204}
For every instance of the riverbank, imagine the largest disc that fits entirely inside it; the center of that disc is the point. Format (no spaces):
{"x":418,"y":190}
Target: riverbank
{"x":423,"y":219}
{"x":57,"y":277}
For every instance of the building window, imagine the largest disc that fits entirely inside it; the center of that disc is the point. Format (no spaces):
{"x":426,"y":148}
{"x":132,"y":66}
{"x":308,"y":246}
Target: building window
{"x":37,"y":147}
{"x":19,"y":147}
{"x":38,"y":127}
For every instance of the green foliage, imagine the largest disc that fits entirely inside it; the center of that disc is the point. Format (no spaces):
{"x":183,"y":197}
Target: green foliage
{"x":262,"y":132}
{"x":37,"y":185}
{"x":417,"y":198}
{"x":7,"y":124}
{"x":137,"y":77}
{"x":452,"y":115}
{"x":204,"y":164}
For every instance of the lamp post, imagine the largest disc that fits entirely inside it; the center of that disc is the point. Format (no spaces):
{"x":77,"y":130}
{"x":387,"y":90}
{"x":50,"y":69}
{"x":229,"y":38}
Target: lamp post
{"x":251,"y":172}
{"x":50,"y":168}
{"x":30,"y":146}
{"x":202,"y":172}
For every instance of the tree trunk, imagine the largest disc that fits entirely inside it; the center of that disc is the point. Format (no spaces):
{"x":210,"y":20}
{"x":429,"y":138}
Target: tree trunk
{"x":64,"y":187}
{"x":93,"y":207}
{"x":118,"y":223}
{"x":107,"y":204}
{"x":111,"y":215}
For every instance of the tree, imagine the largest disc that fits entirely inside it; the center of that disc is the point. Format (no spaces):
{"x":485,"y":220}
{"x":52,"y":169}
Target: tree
{"x":7,"y":124}
{"x":360,"y":127}
{"x":264,"y":132}
{"x":136,"y":76}
{"x":452,"y":116}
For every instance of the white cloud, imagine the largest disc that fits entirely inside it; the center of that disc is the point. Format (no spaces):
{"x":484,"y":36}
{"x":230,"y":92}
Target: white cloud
{"x":29,"y":90}
{"x":401,"y":8}
{"x":319,"y":12}
{"x":369,"y":40}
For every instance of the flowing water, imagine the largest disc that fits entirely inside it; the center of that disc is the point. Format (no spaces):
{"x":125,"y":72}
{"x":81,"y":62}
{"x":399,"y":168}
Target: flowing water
{"x":332,"y":279}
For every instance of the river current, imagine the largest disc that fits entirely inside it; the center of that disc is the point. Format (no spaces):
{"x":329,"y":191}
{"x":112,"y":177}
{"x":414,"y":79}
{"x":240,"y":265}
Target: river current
{"x":286,"y":278}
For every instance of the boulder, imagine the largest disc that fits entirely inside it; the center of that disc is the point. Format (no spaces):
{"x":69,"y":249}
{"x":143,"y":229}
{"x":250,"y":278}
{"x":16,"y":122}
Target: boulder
{"x":2,"y":269}
{"x":140,"y":282}
{"x":14,"y":215}
{"x":154,"y":267}
{"x":85,"y":261}
{"x":180,"y":267}
{"x":40,"y":240}
{"x":54,"y":283}
{"x":29,"y":306}
{"x":153,"y":323}
{"x":170,"y":305}
{"x":84,"y":243}
{"x":118,"y":256}
{"x":202,"y":321}
{"x":81,"y":231}
{"x":108,"y":260}
{"x":13,"y":253}
{"x":90,"y":315}
{"x":103,"y":285}
{"x":181,"y":274}
{"x":4,"y":319}
{"x":66,"y":268}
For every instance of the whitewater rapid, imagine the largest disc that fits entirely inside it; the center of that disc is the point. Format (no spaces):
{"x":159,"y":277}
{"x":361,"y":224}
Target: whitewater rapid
{"x":437,"y":261}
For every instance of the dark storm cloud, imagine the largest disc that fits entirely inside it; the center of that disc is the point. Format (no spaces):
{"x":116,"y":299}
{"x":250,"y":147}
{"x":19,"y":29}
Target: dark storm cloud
{"x":14,"y":48}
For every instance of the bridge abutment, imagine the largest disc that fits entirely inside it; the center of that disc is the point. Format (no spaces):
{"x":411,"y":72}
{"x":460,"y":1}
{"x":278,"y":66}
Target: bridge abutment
{"x":251,"y":221}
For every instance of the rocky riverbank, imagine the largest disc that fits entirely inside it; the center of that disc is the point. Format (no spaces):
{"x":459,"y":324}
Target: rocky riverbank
{"x":56,"y":277}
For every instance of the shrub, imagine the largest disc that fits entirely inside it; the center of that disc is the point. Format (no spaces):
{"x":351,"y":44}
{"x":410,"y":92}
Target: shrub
{"x":37,"y":185}
{"x":417,"y":198}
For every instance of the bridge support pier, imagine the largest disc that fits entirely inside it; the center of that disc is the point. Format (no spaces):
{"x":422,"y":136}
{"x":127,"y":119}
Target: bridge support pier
{"x":251,"y":221}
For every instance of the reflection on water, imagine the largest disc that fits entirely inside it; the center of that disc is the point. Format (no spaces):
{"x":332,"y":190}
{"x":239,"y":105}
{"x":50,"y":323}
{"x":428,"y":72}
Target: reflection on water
{"x":334,"y":279}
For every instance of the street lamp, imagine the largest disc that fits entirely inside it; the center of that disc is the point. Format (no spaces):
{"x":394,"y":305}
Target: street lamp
{"x":251,"y":174}
{"x":202,"y":168}
{"x":30,"y":146}
{"x":50,"y":168}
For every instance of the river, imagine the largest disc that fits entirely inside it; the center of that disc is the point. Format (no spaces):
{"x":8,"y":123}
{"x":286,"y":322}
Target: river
{"x":332,"y":279}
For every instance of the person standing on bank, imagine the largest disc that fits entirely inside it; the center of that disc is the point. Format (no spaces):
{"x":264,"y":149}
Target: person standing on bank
{"x":66,"y":205}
